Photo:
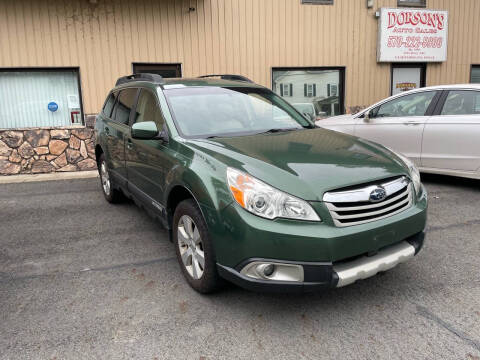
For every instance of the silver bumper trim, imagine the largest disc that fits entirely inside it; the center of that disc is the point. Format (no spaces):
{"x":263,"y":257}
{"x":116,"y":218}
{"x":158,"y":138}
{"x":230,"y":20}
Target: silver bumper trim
{"x":365,"y":267}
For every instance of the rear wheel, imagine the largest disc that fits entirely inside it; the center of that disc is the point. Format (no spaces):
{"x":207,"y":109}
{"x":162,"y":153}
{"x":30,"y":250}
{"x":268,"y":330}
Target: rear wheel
{"x":193,"y":247}
{"x":112,"y":195}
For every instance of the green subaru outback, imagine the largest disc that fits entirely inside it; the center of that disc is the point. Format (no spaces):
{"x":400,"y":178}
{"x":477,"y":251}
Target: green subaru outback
{"x":251,"y":191}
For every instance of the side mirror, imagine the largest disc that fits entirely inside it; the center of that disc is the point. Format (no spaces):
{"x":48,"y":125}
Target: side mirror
{"x":366,"y":116}
{"x":144,"y":130}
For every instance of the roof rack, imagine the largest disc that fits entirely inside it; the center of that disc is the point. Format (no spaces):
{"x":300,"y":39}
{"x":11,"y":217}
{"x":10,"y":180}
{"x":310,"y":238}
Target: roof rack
{"x":155,"y":78}
{"x":228,"y":77}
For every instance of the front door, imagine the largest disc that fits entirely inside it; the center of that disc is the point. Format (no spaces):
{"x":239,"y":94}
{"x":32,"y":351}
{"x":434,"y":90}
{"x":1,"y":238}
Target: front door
{"x":398,"y":123}
{"x":451,"y":138}
{"x":407,"y":77}
{"x":147,"y":160}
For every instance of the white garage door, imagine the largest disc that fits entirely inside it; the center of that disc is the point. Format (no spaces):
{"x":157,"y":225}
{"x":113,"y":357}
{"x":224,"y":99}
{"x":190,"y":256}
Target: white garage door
{"x":39,"y":98}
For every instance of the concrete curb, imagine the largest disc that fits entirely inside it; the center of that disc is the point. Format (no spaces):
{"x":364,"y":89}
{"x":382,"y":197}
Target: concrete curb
{"x":11,"y":179}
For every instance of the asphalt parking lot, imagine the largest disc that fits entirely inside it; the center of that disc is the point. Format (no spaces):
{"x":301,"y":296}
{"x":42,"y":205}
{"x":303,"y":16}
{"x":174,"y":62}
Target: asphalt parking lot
{"x":80,"y":278}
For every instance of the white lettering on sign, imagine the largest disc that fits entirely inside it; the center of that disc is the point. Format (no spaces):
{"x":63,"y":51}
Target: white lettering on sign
{"x":412,"y":35}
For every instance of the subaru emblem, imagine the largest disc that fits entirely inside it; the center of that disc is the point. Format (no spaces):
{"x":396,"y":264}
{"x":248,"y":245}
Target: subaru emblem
{"x":378,"y":194}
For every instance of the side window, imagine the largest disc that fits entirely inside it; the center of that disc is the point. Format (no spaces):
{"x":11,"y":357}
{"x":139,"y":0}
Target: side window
{"x":409,"y":105}
{"x":148,"y":110}
{"x":463,"y":102}
{"x":108,"y":107}
{"x":124,"y":105}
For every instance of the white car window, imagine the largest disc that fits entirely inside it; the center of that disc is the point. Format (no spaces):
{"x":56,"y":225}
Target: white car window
{"x":408,"y":105}
{"x":462,"y":102}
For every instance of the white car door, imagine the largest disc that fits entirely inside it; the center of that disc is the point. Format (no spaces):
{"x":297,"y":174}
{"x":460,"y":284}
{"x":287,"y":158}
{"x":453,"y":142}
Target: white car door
{"x":451,"y":139}
{"x":399,"y":123}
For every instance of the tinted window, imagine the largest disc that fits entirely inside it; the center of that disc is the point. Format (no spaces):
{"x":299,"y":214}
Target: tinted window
{"x":409,"y":105}
{"x":108,"y":107}
{"x":124,"y":105}
{"x":462,"y":103}
{"x":148,"y":110}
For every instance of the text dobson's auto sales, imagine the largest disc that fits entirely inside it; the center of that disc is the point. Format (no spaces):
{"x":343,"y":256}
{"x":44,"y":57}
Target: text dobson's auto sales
{"x":406,"y":35}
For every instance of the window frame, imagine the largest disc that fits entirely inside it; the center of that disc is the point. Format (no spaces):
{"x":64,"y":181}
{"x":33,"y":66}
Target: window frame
{"x":317,"y":2}
{"x":412,"y":3}
{"x":289,"y":88}
{"x":474,"y":66}
{"x":341,"y":79}
{"x":75,"y":69}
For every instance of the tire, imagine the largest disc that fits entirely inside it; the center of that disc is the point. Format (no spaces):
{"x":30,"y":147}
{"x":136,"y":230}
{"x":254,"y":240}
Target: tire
{"x":191,"y":240}
{"x":111,"y":195}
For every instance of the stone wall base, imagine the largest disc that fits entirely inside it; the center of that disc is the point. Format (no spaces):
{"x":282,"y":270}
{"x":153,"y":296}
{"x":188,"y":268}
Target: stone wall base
{"x":45,"y":150}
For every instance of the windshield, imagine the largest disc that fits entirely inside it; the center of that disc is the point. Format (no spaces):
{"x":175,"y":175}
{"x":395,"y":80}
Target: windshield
{"x":235,"y":111}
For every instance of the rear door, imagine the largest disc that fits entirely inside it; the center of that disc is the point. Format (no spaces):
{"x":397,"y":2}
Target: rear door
{"x":452,"y":136}
{"x":147,"y":160}
{"x":116,"y":130}
{"x":399,"y":123}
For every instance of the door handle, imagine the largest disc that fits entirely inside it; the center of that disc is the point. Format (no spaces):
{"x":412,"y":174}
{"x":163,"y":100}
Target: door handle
{"x":129,"y":144}
{"x":411,"y":123}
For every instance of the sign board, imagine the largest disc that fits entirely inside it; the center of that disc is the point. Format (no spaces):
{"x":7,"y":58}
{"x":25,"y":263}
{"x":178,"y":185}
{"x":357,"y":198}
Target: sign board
{"x":52,"y":106}
{"x":412,"y":35}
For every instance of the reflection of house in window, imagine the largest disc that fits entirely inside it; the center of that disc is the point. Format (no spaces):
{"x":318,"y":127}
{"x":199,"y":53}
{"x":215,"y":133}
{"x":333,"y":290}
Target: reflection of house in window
{"x":322,"y":88}
{"x":310,"y":90}
{"x":332,"y":89}
{"x":286,"y":89}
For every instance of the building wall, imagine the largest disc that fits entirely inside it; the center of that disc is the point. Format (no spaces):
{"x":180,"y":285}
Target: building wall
{"x":248,"y":37}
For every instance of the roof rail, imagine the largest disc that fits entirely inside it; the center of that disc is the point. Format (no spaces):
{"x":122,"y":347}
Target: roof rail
{"x":228,"y":77}
{"x":155,"y":78}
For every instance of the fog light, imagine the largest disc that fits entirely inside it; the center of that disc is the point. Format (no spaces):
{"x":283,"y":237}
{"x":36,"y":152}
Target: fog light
{"x":268,"y":270}
{"x":273,"y":271}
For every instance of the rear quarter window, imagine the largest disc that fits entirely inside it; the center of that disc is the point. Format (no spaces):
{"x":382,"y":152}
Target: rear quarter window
{"x":109,"y":104}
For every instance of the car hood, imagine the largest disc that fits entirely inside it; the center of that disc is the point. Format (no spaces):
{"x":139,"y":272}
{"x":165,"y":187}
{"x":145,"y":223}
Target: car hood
{"x":336,"y":120}
{"x":305,"y":163}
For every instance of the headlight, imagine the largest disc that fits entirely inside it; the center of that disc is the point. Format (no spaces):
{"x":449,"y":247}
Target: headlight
{"x":265,"y":201}
{"x":413,"y":170}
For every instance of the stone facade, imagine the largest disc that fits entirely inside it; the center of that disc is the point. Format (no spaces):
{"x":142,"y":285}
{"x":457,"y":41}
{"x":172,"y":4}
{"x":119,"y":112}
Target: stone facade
{"x":45,"y":150}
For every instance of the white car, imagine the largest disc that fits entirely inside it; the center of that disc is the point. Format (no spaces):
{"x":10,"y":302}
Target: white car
{"x":437,"y":127}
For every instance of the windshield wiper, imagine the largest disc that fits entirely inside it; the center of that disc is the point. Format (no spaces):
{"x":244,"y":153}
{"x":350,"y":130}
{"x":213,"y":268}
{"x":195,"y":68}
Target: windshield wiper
{"x":277,"y":130}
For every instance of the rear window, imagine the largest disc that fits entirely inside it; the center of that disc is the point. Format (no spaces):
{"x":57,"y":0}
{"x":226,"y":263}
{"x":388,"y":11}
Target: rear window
{"x":463,"y":102}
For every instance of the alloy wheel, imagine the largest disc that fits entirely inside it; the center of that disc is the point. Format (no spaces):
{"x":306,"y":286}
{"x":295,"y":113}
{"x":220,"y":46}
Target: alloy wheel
{"x":191,"y":247}
{"x":105,"y":178}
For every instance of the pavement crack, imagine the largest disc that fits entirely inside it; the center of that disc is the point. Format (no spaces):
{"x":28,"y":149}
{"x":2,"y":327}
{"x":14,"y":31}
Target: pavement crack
{"x":423,"y":311}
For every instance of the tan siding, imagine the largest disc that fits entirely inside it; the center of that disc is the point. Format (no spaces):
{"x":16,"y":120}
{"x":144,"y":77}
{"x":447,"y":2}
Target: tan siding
{"x":222,"y":36}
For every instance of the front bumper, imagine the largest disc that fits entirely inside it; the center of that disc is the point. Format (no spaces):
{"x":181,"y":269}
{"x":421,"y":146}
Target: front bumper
{"x":324,"y":275}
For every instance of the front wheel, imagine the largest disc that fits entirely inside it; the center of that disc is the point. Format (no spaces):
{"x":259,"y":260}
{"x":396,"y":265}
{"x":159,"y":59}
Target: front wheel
{"x":194,"y":249}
